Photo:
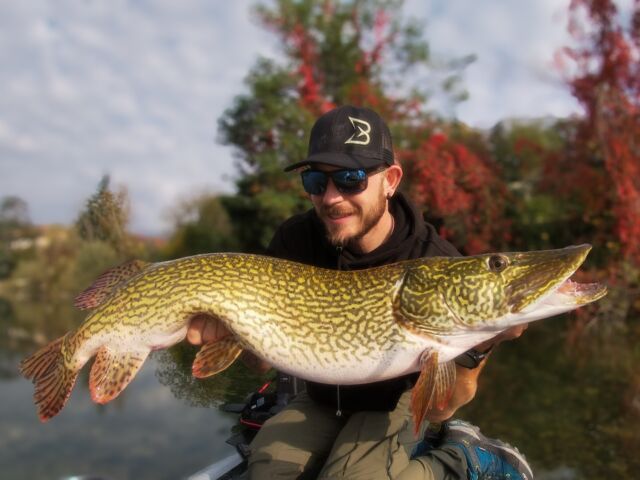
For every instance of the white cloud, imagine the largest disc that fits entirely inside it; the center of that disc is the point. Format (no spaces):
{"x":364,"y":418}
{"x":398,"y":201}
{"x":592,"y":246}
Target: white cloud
{"x":514,"y":43}
{"x":124,"y":88}
{"x":135,"y":90}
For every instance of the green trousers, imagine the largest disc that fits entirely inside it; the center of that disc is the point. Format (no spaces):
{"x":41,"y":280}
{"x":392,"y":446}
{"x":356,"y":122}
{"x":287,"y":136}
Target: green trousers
{"x":308,"y":441}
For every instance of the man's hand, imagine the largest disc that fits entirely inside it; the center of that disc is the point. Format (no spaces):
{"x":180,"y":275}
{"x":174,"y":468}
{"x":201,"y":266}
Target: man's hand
{"x":207,"y":329}
{"x":508,"y":334}
{"x":467,"y":378}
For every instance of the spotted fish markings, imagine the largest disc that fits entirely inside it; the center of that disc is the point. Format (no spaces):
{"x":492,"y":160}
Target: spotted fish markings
{"x":342,"y":327}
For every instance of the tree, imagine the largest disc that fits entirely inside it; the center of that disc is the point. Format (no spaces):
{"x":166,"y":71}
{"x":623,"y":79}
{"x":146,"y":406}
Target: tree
{"x":201,"y":225}
{"x":268,"y":128}
{"x":14,"y":216}
{"x":603,"y":154}
{"x":461,"y":189}
{"x":601,"y":167}
{"x":15,"y":224}
{"x":105,"y":217}
{"x":522,"y":148}
{"x":337,"y":52}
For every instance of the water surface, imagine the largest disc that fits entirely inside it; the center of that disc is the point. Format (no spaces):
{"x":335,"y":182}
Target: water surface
{"x":146,"y":433}
{"x":574,"y":411}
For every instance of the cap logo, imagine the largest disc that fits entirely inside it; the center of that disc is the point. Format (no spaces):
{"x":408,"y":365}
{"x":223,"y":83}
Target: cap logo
{"x":361,"y":136}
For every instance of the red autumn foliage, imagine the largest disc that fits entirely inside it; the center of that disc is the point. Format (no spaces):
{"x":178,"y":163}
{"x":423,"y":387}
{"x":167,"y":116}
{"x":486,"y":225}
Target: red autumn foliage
{"x":453,"y":183}
{"x":619,"y":132}
{"x":606,"y":81}
{"x":444,"y":177}
{"x":310,"y":86}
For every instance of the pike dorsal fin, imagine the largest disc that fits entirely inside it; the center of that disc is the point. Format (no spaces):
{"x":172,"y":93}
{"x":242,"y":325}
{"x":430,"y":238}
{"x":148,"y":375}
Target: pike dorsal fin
{"x":216,"y":356}
{"x":433,"y":388}
{"x":106,"y":283}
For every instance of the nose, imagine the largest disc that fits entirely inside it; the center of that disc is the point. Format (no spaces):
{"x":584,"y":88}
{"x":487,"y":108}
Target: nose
{"x":331,"y":195}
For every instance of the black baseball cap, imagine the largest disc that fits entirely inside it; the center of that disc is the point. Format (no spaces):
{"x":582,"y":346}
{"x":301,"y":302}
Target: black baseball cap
{"x":349,"y":137}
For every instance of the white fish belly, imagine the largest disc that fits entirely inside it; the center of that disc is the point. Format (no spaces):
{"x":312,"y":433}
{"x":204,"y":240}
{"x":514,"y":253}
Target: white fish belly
{"x":352,"y":368}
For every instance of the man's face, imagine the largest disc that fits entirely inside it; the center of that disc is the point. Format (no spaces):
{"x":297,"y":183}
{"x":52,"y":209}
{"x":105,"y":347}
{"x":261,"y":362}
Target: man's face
{"x":349,"y":217}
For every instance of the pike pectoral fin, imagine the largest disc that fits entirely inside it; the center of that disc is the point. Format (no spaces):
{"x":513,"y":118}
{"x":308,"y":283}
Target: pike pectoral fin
{"x":112,"y":371}
{"x":216,"y":356}
{"x":433,"y":388}
{"x":106,"y":283}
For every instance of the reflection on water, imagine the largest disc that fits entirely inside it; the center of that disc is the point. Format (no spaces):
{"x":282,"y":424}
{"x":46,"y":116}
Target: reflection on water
{"x":575,"y":414}
{"x":232,"y":385}
{"x":145,"y":433}
{"x":161,"y":427}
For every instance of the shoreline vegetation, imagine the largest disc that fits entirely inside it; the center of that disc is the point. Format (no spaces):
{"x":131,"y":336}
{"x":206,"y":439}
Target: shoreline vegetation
{"x":568,"y":392}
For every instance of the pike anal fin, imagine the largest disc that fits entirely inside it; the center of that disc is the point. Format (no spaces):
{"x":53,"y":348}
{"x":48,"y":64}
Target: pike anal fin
{"x":433,"y":388}
{"x":112,"y":371}
{"x":216,"y":356}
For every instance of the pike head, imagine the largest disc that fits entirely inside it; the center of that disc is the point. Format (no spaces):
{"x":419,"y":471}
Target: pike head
{"x":492,"y":292}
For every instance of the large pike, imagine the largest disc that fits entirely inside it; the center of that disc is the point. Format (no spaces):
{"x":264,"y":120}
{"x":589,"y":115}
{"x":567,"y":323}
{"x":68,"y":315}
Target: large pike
{"x":338,"y":327}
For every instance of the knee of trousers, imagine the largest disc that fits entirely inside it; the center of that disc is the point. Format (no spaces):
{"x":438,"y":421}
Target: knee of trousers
{"x":277,"y":453}
{"x":259,"y":470}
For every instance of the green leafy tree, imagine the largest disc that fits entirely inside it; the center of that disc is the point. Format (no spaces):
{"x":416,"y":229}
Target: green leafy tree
{"x":268,"y":128}
{"x":521,"y":149}
{"x":201,"y":225}
{"x":336,"y":52}
{"x":105,"y":217}
{"x":15,"y":225}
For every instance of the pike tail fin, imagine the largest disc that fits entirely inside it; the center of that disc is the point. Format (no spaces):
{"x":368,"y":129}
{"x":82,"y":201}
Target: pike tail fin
{"x":216,"y":356}
{"x":53,"y":380}
{"x":433,"y":388}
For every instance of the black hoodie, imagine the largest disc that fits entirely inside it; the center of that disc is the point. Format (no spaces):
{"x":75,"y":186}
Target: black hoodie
{"x":303,"y":239}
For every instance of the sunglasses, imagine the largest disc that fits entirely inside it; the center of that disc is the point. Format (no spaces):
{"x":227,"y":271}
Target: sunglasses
{"x":348,"y":181}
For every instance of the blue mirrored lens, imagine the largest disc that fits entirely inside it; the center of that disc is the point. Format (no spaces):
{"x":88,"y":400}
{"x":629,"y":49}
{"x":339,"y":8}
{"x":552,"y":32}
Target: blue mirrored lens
{"x":314,"y":182}
{"x":348,"y":178}
{"x":346,"y":181}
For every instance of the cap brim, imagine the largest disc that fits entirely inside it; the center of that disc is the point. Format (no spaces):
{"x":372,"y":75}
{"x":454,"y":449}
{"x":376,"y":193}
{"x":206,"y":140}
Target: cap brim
{"x":337,"y":160}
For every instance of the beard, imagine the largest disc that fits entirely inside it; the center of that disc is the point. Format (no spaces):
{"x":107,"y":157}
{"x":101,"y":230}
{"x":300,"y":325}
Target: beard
{"x":368,"y":220}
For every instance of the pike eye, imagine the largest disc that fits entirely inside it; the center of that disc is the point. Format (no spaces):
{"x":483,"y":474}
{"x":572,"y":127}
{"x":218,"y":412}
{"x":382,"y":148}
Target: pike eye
{"x":498,"y":263}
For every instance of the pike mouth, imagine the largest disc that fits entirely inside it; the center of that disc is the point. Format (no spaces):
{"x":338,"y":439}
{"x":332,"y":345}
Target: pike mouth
{"x":549,"y":287}
{"x":580,"y":293}
{"x":567,"y":295}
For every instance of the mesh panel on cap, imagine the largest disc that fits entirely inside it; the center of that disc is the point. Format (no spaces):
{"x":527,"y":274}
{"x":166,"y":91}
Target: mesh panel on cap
{"x":387,"y":146}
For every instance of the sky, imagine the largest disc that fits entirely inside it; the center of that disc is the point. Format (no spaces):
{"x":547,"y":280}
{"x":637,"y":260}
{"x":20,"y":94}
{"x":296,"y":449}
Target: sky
{"x":134,"y":89}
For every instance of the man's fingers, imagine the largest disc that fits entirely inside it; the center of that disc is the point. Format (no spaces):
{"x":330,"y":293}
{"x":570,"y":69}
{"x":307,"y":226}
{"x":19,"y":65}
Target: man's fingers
{"x":205,"y":329}
{"x":213,"y":330}
{"x":513,"y":332}
{"x":464,"y":391}
{"x":194,"y":331}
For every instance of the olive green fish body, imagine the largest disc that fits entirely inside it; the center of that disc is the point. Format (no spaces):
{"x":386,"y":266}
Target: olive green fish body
{"x":329,"y":325}
{"x":341,"y":327}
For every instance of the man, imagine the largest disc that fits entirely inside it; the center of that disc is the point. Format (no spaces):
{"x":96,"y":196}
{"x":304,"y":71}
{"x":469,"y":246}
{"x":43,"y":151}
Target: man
{"x":359,"y":220}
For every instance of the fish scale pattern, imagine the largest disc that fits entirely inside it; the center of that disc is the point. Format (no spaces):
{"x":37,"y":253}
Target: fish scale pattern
{"x":330,"y":326}
{"x":306,"y":314}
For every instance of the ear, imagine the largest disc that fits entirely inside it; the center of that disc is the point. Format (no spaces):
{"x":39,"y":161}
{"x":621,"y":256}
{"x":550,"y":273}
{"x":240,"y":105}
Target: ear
{"x":392,"y":177}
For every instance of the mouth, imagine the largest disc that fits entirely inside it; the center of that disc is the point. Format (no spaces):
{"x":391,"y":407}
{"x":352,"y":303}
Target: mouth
{"x":546,"y":283}
{"x":568,"y":295}
{"x":580,"y":293}
{"x":338,"y":216}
